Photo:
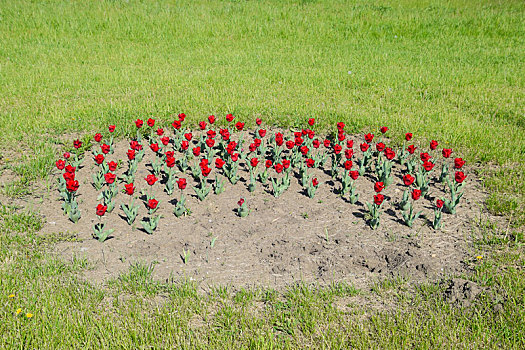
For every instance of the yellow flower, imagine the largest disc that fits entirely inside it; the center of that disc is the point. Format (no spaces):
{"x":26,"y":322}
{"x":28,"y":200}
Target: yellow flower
{"x":28,"y":315}
{"x":18,"y":311}
{"x":479,"y":257}
{"x":11,"y":296}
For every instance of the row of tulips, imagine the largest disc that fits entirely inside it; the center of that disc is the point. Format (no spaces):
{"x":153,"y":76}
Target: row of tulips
{"x":270,"y":159}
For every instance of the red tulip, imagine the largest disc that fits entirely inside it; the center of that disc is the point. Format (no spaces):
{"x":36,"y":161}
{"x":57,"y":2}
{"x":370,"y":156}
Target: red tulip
{"x":340,"y":126}
{"x":349,"y":153}
{"x":408,"y":136}
{"x":304,"y":150}
{"x":176,"y":124}
{"x":160,"y":132}
{"x":112,"y":166}
{"x":428,"y":166}
{"x":202,"y":125}
{"x":210,"y":142}
{"x":72,"y":185}
{"x":460,"y":176}
{"x":310,"y":163}
{"x":258,"y":121}
{"x":69,"y":176}
{"x":181,"y":183}
{"x":439,"y":203}
{"x":278,"y":168}
{"x":97,"y":137}
{"x":229,"y":117}
{"x":182,"y":116}
{"x":286,"y":163}
{"x":240,"y":202}
{"x":369,"y":137}
{"x":234,"y":156}
{"x":315,"y":182}
{"x":326,"y":143}
{"x":211,"y":134}
{"x":151,"y":179}
{"x":135,"y":145}
{"x":379,"y":186}
{"x":211,"y":119}
{"x":411,"y":149}
{"x":239,"y":126}
{"x":111,"y":128}
{"x":165,"y":140}
{"x":416,"y":194}
{"x":184,"y":145}
{"x":254,"y":162}
{"x":354,"y":174}
{"x":384,"y":129}
{"x":408,"y":179}
{"x":378,"y":199}
{"x":129,"y":189}
{"x":425,"y":157}
{"x":131,"y":154}
{"x":262,"y":132}
{"x":139,"y":123}
{"x":364,"y":147}
{"x":311,"y":121}
{"x":60,"y":164}
{"x":152,"y":203}
{"x":380,"y":147}
{"x":219,"y":163}
{"x":77,"y":144}
{"x":389,"y":153}
{"x":151,"y":122}
{"x":458,"y":163}
{"x":446,"y":152}
{"x":433,"y":144}
{"x":110,"y":178}
{"x":205,"y":171}
{"x":337,"y":149}
{"x":348,"y":165}
{"x":154,"y":147}
{"x":170,"y":162}
{"x":101,"y":209}
{"x":316,"y":143}
{"x":196,"y":151}
{"x":268,"y":163}
{"x":203,"y":162}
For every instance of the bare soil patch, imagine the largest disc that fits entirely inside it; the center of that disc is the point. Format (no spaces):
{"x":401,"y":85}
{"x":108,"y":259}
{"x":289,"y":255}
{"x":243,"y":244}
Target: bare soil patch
{"x":284,"y":240}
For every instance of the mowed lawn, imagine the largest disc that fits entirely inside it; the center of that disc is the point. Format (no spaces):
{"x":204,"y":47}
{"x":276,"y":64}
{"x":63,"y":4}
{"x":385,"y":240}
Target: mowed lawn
{"x":447,"y":70}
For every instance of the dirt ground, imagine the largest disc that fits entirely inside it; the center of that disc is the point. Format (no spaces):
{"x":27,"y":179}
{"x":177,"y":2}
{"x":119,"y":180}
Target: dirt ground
{"x":283,"y":240}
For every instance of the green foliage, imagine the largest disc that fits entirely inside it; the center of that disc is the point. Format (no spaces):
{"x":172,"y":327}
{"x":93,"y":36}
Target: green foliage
{"x":447,"y":71}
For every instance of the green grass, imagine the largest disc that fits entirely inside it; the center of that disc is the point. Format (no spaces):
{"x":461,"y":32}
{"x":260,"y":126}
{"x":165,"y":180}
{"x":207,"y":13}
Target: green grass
{"x":446,"y":70}
{"x":450,"y":71}
{"x":134,"y":311}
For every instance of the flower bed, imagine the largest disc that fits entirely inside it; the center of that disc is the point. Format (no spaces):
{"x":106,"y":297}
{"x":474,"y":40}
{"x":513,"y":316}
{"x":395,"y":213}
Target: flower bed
{"x":213,"y":157}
